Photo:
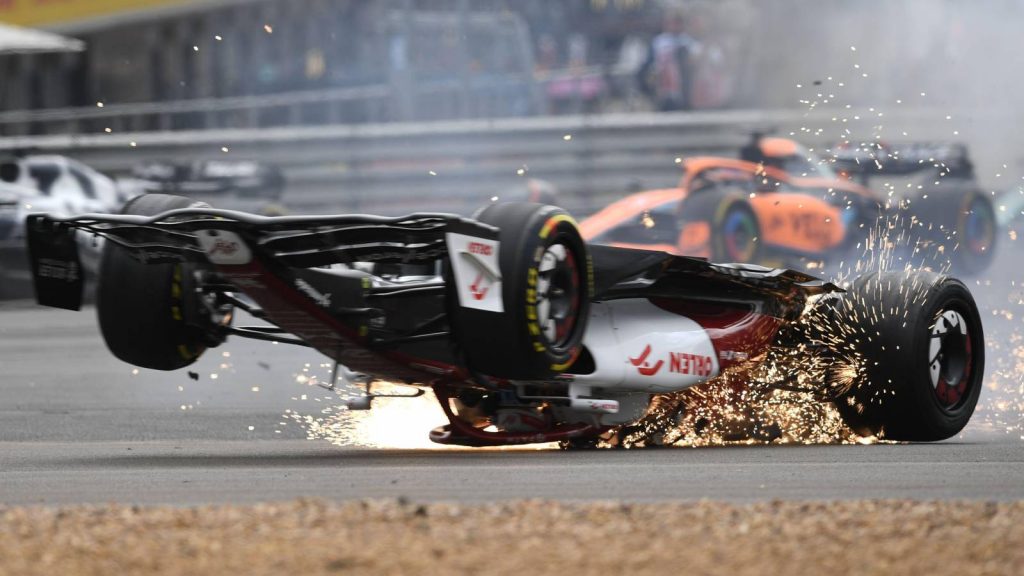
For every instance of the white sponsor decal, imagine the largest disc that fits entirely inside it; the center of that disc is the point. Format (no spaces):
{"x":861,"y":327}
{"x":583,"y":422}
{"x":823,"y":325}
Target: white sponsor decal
{"x":638,"y":346}
{"x":324,"y":300}
{"x":224,"y":247}
{"x":58,"y":269}
{"x":477,"y":274}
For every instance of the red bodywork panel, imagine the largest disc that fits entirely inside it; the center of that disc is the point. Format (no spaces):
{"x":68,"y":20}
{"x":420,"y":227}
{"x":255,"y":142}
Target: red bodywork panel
{"x":300,"y":315}
{"x":737,"y":333}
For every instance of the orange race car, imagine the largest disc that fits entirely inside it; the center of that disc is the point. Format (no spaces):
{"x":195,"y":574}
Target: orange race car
{"x":781,"y":206}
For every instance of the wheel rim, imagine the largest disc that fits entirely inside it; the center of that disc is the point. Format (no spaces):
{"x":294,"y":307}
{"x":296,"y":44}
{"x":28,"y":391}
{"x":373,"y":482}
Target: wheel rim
{"x":558,"y":294}
{"x":979,"y":227}
{"x":950,"y":358}
{"x":739,"y":233}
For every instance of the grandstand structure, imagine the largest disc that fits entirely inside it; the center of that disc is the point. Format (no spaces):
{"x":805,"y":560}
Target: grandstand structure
{"x":244,"y":63}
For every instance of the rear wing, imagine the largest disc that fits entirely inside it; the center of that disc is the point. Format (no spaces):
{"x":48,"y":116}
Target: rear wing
{"x":903,"y":159}
{"x":226,"y":237}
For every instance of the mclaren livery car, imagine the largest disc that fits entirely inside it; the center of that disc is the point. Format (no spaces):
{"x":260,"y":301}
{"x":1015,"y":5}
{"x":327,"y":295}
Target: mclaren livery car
{"x":778,"y":204}
{"x":524,"y":332}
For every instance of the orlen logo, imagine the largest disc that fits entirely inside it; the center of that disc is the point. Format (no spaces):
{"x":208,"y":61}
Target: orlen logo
{"x":678,"y":362}
{"x":642,"y":366}
{"x":480,"y":248}
{"x":683,"y":363}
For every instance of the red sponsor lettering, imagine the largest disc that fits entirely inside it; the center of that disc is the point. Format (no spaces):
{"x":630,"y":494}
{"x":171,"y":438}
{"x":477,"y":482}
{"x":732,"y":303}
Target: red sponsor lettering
{"x":475,"y":289}
{"x":679,"y":363}
{"x":481,"y":248}
{"x":224,"y":247}
{"x":684,"y":363}
{"x":642,"y":366}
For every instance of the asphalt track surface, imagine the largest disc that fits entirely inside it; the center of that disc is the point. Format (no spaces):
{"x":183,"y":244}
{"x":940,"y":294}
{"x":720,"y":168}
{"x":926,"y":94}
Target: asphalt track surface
{"x":78,"y":426}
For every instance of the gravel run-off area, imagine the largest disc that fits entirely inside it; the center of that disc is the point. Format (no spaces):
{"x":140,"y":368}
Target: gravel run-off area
{"x":533,"y":537}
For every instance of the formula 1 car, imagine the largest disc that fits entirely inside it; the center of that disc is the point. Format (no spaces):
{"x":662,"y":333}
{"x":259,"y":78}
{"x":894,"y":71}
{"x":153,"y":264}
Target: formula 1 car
{"x":524,"y":332}
{"x":780,"y":205}
{"x":54,"y":184}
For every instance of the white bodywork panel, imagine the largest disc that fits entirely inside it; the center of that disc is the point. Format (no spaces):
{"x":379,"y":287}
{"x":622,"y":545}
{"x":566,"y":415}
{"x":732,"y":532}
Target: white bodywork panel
{"x":477,"y":273}
{"x":631,"y":406}
{"x":224,"y":247}
{"x":639,"y":347}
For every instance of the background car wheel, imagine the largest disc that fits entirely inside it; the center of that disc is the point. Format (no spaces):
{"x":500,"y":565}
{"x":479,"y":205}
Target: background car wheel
{"x":960,"y":220}
{"x":921,"y":348}
{"x":735,"y":232}
{"x":976,"y":235}
{"x":141,"y":307}
{"x":546,"y":290}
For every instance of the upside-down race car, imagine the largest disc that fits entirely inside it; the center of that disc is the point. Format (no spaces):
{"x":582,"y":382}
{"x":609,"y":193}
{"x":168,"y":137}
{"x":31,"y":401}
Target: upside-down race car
{"x":780,"y":205}
{"x":525,"y":333}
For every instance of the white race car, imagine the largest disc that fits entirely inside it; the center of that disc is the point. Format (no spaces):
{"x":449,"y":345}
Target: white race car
{"x":46,"y":183}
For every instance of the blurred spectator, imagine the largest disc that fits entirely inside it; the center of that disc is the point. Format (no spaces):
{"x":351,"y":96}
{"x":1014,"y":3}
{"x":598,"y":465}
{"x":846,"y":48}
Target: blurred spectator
{"x":667,"y":74}
{"x":712,"y":82}
{"x":577,"y":51}
{"x":577,"y":89}
{"x":547,"y":53}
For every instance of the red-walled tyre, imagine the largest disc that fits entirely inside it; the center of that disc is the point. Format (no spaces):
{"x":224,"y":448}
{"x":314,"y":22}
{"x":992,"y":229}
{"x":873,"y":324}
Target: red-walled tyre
{"x":922,"y":355}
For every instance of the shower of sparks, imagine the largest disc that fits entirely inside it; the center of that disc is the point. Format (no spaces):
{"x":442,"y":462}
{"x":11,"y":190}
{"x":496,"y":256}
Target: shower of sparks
{"x":392,"y":423}
{"x":787,"y":393}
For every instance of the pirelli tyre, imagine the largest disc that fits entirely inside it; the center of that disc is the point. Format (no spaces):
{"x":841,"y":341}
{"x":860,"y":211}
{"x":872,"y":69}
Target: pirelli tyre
{"x":546,"y":287}
{"x":141,"y":307}
{"x":919,"y":347}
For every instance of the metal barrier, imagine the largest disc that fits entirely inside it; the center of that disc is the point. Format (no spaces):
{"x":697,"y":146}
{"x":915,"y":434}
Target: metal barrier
{"x":474,"y":97}
{"x":240,"y":111}
{"x":457,"y":165}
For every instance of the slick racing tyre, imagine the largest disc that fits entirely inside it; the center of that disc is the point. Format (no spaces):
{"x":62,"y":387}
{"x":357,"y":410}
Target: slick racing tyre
{"x":141,"y":307}
{"x":546,"y":286}
{"x":735,"y":231}
{"x":918,"y":337}
{"x":976,"y":233}
{"x":960,"y":220}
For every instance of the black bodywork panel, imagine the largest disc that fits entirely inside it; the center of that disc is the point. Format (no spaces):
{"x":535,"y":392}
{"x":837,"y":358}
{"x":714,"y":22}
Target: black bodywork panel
{"x":309,"y":242}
